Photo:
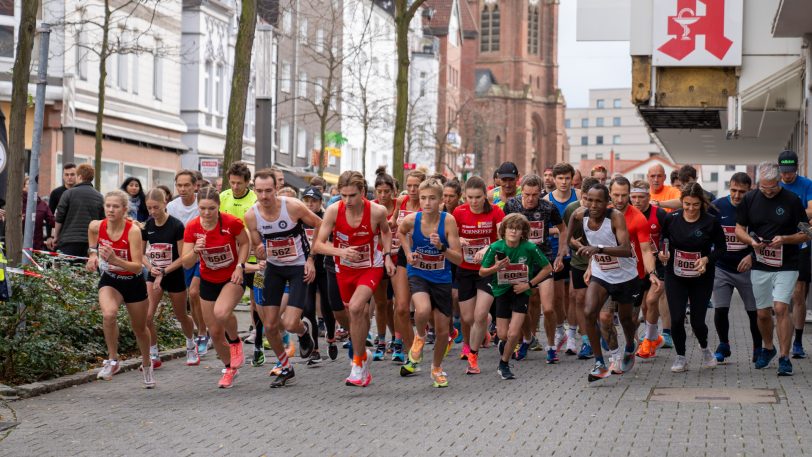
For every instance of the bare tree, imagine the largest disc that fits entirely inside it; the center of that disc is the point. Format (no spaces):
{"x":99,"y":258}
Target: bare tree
{"x":16,"y":153}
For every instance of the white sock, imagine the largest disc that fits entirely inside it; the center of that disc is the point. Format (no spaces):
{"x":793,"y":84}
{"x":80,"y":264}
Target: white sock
{"x":190,"y":343}
{"x":153,"y":350}
{"x":616,"y":353}
{"x":559,"y":330}
{"x":571,"y":332}
{"x":651,"y":331}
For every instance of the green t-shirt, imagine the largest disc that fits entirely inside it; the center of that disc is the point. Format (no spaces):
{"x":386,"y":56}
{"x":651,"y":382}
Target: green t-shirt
{"x":525,"y":262}
{"x":577,"y":261}
{"x":237,"y":207}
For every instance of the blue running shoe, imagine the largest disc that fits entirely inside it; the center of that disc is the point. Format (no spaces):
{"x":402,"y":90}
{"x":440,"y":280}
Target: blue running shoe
{"x":348,"y":345}
{"x":668,"y":343}
{"x":756,"y":352}
{"x":798,"y":351}
{"x":552,"y":356}
{"x":586,"y":352}
{"x":765,"y":358}
{"x":458,"y":339}
{"x":722,"y":352}
{"x":380,"y":351}
{"x":784,"y":367}
{"x":398,"y":356}
{"x":521,"y":354}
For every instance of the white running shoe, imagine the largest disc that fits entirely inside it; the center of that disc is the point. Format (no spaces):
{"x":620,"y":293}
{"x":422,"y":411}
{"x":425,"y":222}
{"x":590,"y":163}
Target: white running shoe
{"x":149,"y":377}
{"x":560,"y":338}
{"x":107,"y":371}
{"x":192,"y":358}
{"x":572,"y":345}
{"x":708,"y":359}
{"x":680,"y":364}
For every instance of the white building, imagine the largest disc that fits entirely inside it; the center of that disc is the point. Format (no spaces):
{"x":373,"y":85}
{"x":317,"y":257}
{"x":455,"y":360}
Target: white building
{"x":368,"y":91}
{"x":424,"y":92}
{"x":609,"y":123}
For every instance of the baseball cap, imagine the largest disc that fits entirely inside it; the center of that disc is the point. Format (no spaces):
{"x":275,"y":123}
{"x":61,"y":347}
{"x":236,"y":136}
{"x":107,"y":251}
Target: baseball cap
{"x":508,"y":170}
{"x":787,"y":161}
{"x":313,"y":193}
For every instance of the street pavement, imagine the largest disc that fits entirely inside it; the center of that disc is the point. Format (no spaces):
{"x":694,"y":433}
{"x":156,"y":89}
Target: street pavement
{"x":548,"y":410}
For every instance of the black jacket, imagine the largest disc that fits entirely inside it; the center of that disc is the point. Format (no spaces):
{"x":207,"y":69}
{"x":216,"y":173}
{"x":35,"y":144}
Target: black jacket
{"x":78,"y":206}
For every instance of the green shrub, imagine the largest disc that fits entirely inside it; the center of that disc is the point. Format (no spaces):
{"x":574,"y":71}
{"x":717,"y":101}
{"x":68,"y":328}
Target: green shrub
{"x":63,"y":327}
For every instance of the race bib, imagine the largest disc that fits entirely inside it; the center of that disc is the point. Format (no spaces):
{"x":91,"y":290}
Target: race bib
{"x":771,"y":256}
{"x":513,"y":273}
{"x":429,"y":262}
{"x":606,"y":262}
{"x":160,"y":254}
{"x":685,"y":263}
{"x":402,"y":215}
{"x":121,"y":253}
{"x":537,"y":232}
{"x":309,"y":234}
{"x":364,"y":262}
{"x":474,"y":245}
{"x":732,"y":241}
{"x":283,"y":250}
{"x":395,"y":242}
{"x":218,"y":257}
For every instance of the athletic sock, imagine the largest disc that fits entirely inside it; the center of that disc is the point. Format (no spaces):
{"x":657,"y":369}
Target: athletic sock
{"x":153,"y":350}
{"x":232,"y":340}
{"x":284,"y":362}
{"x":190,"y":343}
{"x":571,"y":332}
{"x":651,"y":331}
{"x":666,"y":331}
{"x":585,"y":339}
{"x":799,"y":334}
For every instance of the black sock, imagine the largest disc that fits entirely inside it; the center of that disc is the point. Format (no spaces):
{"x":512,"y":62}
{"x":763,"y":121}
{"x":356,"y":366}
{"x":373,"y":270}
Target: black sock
{"x":666,"y":331}
{"x":232,"y":340}
{"x":228,"y":365}
{"x":755,"y":333}
{"x":799,"y":333}
{"x":722,"y":323}
{"x":259,"y":329}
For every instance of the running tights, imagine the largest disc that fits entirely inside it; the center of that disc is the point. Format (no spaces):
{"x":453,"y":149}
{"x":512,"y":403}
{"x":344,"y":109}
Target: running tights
{"x":319,"y":284}
{"x":681,"y":291}
{"x":722,"y":324}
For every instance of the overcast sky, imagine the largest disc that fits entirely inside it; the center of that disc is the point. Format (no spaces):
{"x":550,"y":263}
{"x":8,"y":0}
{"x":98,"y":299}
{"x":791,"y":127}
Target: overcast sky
{"x":588,"y":65}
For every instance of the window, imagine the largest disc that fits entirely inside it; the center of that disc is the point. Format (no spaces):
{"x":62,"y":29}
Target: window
{"x":533,"y":29}
{"x":287,"y":22}
{"x":284,"y":138}
{"x":599,"y":156}
{"x":320,"y":41}
{"x":285,"y":79}
{"x":318,"y":91}
{"x":161,"y":177}
{"x":138,"y":172}
{"x":600,"y":103}
{"x":208,"y":78}
{"x":219,"y":80}
{"x":727,"y":185}
{"x":136,"y":67}
{"x":584,"y":123}
{"x":301,"y":147}
{"x":730,"y":167}
{"x":567,"y":123}
{"x":584,"y":156}
{"x":615,"y":139}
{"x":302,"y":85}
{"x":110,"y":179}
{"x":616,"y":103}
{"x":599,"y":122}
{"x":489,"y":38}
{"x":123,"y":71}
{"x":157,"y":73}
{"x":7,"y":25}
{"x":108,"y":67}
{"x":714,"y":176}
{"x":584,"y":140}
{"x":599,"y":139}
{"x":303,"y":30}
{"x":615,"y":122}
{"x":81,"y":55}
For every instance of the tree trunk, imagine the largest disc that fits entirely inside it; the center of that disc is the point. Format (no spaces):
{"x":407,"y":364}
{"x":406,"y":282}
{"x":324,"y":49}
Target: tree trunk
{"x":323,"y":134}
{"x":404,"y":12}
{"x":16,"y":152}
{"x":240,"y":80}
{"x":103,"y":56}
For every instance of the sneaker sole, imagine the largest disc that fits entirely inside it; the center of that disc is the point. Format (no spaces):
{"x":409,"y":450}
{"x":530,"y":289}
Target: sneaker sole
{"x":289,"y":382}
{"x":193,"y":364}
{"x":679,"y":370}
{"x":784,"y":373}
{"x":593,"y":378}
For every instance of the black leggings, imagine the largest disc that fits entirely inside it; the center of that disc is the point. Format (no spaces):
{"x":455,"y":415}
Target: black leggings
{"x":330,"y":301}
{"x":722,"y":324}
{"x":681,"y":291}
{"x":319,"y":284}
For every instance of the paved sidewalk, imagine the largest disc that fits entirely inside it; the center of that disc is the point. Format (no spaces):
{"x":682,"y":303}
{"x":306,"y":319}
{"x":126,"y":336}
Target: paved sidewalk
{"x":548,"y":410}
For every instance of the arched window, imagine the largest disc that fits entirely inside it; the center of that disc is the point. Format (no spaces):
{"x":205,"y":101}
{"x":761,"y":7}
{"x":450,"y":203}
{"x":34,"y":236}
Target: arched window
{"x":533,"y":28}
{"x":489,"y":38}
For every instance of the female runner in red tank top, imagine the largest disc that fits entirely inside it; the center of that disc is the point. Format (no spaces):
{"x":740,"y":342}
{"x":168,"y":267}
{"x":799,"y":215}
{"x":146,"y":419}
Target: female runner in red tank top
{"x":385,"y":191}
{"x":220,"y":242}
{"x":407,"y":204}
{"x":359,"y":229}
{"x":116,"y":250}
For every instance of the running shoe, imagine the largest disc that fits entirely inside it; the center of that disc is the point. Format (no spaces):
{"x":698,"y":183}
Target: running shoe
{"x":756,"y":352}
{"x":277,"y":368}
{"x":614,"y":366}
{"x":286,"y":377}
{"x":486,"y":343}
{"x":149,"y":377}
{"x":409,"y":368}
{"x":306,"y":343}
{"x":798,"y":351}
{"x":390,"y":348}
{"x":586,"y":352}
{"x":784,"y":367}
{"x":643,"y":351}
{"x":252,"y":335}
{"x":535,"y":344}
{"x":708,"y":359}
{"x":355,"y":376}
{"x":572,"y":346}
{"x":203,"y":345}
{"x":668,"y":342}
{"x":366,"y":376}
{"x":599,"y":371}
{"x":380,"y":351}
{"x":237,"y":356}
{"x":680,"y":364}
{"x":191,"y":356}
{"x":416,"y":352}
{"x":156,"y":361}
{"x":654,"y":345}
{"x":454,"y":335}
{"x":259,"y":358}
{"x":560,"y":339}
{"x":368,"y":341}
{"x":552,"y":356}
{"x":765,"y":358}
{"x":109,"y":368}
{"x":521,"y":353}
{"x":439,"y":377}
{"x":504,"y":371}
{"x":473,"y":364}
{"x":332,"y":349}
{"x":448,"y":345}
{"x":458,"y":327}
{"x":397,"y":355}
{"x":430,"y":336}
{"x":627,"y":363}
{"x":342,"y":334}
{"x":465,"y":351}
{"x":228,"y":378}
{"x":314,"y":360}
{"x":722,"y":352}
{"x":492,"y":329}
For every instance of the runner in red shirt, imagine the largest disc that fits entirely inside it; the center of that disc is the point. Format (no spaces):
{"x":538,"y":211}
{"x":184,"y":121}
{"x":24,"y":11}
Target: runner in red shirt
{"x":478,"y":221}
{"x":116,"y":249}
{"x":359,"y":229}
{"x":385,"y":191}
{"x":219,"y":241}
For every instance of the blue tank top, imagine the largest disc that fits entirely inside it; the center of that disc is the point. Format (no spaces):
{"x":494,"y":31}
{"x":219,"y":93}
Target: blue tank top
{"x":431,"y":263}
{"x":561,"y":206}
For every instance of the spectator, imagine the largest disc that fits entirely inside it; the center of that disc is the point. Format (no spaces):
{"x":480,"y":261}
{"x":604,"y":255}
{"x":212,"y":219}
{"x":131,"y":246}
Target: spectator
{"x":218,"y":184}
{"x":167,"y":191}
{"x":77,"y":207}
{"x":68,"y":181}
{"x":137,"y":210}
{"x":43,"y":223}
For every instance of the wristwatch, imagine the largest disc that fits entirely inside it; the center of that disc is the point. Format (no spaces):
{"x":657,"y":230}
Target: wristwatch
{"x":600,"y":249}
{"x":442,"y":248}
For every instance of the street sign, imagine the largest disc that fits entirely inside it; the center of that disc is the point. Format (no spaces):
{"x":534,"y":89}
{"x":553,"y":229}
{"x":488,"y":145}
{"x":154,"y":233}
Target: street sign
{"x":210,"y":168}
{"x":409,"y":166}
{"x":466,"y":161}
{"x":678,"y":24}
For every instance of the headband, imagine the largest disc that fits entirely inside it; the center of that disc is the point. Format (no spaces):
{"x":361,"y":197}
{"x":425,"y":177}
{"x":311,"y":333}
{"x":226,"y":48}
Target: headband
{"x":638,"y":190}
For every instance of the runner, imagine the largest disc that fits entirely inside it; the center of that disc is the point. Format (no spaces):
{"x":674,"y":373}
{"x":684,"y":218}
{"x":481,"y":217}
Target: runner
{"x":478,"y":222}
{"x":220,"y":243}
{"x":660,"y":191}
{"x":357,"y":225}
{"x":802,"y":187}
{"x":733,"y":270}
{"x":508,"y":174}
{"x":317,"y":290}
{"x":767,"y":219}
{"x":431,"y":247}
{"x":277,"y":229}
{"x":116,"y":251}
{"x":695,"y":241}
{"x":385,"y":189}
{"x":511,"y":261}
{"x":543,"y":216}
{"x":163,"y":242}
{"x":407,"y":204}
{"x":549,"y":180}
{"x":600,"y":173}
{"x":613,"y":273}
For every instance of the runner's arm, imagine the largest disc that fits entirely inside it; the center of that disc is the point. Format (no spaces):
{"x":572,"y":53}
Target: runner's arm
{"x":320,"y":244}
{"x":382,"y":224}
{"x":93,"y":242}
{"x":188,"y":256}
{"x":454,"y":251}
{"x":624,"y":247}
{"x":406,"y":226}
{"x":575,"y":218}
{"x":256,"y":237}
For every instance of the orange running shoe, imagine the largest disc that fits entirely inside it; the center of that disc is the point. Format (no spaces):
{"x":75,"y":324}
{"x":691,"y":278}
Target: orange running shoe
{"x":473,"y":364}
{"x":237,"y":357}
{"x":228,"y":378}
{"x":654,"y":345}
{"x":486,"y":343}
{"x":416,"y":352}
{"x":439,"y":377}
{"x":644,"y":351}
